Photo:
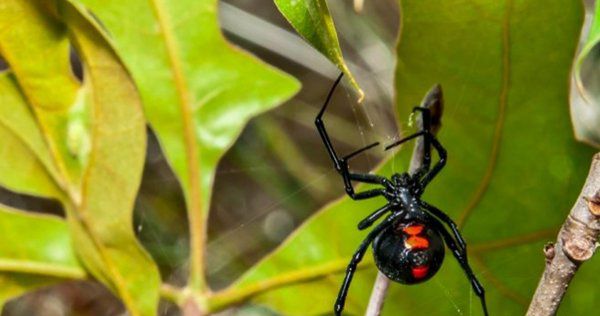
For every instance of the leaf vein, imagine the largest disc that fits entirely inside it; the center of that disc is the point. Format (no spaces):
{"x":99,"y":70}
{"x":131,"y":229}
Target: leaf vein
{"x":41,"y":268}
{"x":499,"y":127}
{"x":195,"y":214}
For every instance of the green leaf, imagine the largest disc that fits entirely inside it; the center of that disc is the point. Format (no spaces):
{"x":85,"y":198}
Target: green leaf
{"x":586,"y":91}
{"x":514,"y":169}
{"x":32,"y":258}
{"x":198,"y":91}
{"x":45,"y":79}
{"x":88,"y":154}
{"x":112,"y":177}
{"x":312,"y":20}
{"x":23,"y":146}
{"x":53,"y":87}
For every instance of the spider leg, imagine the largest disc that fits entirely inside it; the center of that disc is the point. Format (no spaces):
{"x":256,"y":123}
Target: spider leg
{"x":426,"y":115}
{"x":341,"y":164}
{"x":426,"y":162}
{"x":364,"y":177}
{"x":446,"y":219}
{"x":404,"y":140}
{"x":369,"y":220}
{"x":424,"y":173}
{"x":426,"y":127}
{"x":347,"y":157}
{"x":367,"y":178}
{"x":356,"y":258}
{"x":439,"y":165}
{"x":461,"y":257}
{"x":365,"y":194}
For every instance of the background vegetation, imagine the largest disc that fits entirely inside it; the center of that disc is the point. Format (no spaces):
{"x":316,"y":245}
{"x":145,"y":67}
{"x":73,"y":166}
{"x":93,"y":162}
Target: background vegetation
{"x":125,"y":124}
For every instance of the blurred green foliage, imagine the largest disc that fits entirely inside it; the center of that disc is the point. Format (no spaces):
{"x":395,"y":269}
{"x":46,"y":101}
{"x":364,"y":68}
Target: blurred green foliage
{"x":96,"y":185}
{"x":312,"y":20}
{"x":80,"y":138}
{"x":584,"y":89}
{"x":514,"y":167}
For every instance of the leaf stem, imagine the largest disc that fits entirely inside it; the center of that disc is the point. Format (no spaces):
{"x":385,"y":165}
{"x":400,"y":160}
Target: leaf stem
{"x":232,"y":295}
{"x":42,"y":268}
{"x":575,"y":244}
{"x":172,"y":294}
{"x":196,"y":214}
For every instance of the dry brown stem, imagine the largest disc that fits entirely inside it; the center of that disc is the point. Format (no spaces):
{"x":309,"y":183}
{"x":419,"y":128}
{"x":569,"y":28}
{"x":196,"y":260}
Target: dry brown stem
{"x":576,"y":242}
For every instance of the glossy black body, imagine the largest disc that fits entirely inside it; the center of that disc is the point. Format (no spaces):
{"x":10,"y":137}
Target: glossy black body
{"x":396,"y":260}
{"x":392,"y":249}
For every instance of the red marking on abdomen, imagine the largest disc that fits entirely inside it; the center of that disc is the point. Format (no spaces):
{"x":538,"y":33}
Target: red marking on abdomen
{"x":420,"y":272}
{"x":416,"y":242}
{"x":413,"y":230}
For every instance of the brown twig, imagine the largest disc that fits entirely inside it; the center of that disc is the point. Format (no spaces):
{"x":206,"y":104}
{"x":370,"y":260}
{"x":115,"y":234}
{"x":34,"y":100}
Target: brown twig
{"x":435,"y":102}
{"x":575,"y":244}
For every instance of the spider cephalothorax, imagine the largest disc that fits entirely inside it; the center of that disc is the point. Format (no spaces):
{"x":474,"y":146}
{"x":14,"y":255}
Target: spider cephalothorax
{"x":402,"y":179}
{"x":408,"y":244}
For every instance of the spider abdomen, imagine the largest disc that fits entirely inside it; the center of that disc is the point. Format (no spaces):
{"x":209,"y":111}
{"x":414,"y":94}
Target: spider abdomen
{"x":409,"y":253}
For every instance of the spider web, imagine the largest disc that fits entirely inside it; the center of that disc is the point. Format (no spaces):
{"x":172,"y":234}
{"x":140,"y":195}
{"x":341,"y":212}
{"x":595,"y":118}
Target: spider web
{"x":258,"y":198}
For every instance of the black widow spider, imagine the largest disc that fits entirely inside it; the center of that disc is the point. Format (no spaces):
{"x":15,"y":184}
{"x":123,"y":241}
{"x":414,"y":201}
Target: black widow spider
{"x":408,"y":245}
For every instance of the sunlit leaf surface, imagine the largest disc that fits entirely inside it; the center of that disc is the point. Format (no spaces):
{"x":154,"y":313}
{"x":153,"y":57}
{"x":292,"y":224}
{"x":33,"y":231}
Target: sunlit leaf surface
{"x":23,"y":146}
{"x":88,"y":152}
{"x":112,"y":177}
{"x":514,"y":168}
{"x":198,"y":91}
{"x":312,"y":20}
{"x":41,"y":67}
{"x":31,"y":258}
{"x":26,"y":25}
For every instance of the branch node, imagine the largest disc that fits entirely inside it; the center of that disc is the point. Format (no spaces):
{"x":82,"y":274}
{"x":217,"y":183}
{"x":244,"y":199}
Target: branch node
{"x":579,"y":249}
{"x":594,"y":204}
{"x":549,"y":252}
